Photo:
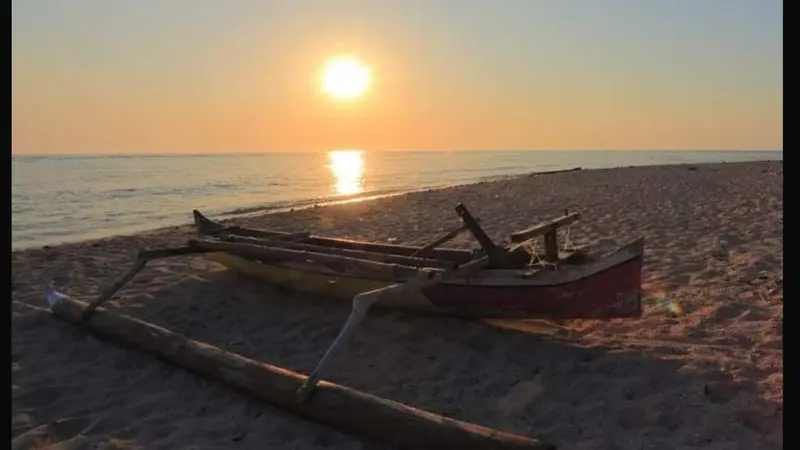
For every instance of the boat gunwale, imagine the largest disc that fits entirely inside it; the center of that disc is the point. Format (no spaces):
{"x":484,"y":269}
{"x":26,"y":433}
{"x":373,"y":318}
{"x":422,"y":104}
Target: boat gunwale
{"x":487,"y":278}
{"x":525,"y":277}
{"x":209,"y":228}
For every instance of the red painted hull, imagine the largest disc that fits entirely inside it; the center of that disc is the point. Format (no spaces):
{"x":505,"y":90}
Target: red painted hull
{"x":612,"y":293}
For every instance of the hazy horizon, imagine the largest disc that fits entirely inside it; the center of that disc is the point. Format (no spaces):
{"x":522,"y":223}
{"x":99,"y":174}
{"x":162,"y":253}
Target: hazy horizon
{"x":310,"y":152}
{"x":203,"y":77}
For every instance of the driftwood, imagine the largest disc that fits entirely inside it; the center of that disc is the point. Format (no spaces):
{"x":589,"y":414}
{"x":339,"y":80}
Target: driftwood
{"x":360,"y":254}
{"x":374,"y":268}
{"x":142,"y":259}
{"x":385,"y":420}
{"x":552,"y":172}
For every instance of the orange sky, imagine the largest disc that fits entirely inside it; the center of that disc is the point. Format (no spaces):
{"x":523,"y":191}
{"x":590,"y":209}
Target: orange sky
{"x":103,"y":82}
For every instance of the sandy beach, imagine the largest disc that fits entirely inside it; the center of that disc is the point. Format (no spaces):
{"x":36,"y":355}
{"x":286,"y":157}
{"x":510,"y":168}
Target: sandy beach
{"x":709,"y":374}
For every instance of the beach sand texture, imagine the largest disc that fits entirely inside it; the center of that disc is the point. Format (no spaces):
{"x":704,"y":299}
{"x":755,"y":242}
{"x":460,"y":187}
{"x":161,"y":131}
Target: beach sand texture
{"x":710,"y":375}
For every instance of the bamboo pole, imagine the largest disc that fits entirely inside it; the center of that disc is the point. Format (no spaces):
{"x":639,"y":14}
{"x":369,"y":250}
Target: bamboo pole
{"x":363,"y":301}
{"x":449,"y":236}
{"x":206,"y":226}
{"x":388,"y":258}
{"x":454,"y":254}
{"x":386,"y":420}
{"x":142,"y":259}
{"x":383,"y":270}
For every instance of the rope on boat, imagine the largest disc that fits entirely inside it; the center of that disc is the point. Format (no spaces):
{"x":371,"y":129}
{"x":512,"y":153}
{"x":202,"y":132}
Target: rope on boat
{"x":530,"y":247}
{"x":361,"y":304}
{"x":568,"y":245}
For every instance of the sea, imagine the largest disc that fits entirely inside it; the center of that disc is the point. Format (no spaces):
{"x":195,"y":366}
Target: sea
{"x":60,"y":199}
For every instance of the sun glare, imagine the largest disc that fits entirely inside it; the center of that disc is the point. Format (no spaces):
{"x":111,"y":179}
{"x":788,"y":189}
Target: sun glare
{"x":347,"y":167}
{"x":345,"y":78}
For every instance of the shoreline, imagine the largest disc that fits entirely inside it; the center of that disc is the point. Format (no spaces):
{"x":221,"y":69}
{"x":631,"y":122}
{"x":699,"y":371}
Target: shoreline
{"x":707,"y":374}
{"x":259,"y":211}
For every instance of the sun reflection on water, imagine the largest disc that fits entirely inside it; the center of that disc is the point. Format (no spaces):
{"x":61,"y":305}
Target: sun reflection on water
{"x":347,"y":167}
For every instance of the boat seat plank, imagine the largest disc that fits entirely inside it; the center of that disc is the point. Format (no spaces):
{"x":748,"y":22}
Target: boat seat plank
{"x":545,"y":227}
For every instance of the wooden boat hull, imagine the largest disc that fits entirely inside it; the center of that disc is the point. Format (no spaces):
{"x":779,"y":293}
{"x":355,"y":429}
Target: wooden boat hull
{"x":611,"y":288}
{"x":341,"y":288}
{"x":614,"y":293}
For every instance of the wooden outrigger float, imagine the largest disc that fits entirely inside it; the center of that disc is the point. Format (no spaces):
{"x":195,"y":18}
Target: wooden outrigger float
{"x":508,"y":281}
{"x":394,"y":423}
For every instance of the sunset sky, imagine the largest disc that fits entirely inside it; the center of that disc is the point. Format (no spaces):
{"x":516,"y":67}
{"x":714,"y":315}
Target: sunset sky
{"x":147,"y":76}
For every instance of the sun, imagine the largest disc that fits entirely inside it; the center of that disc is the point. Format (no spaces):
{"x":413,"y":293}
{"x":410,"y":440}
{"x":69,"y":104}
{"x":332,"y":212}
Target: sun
{"x":345,"y":78}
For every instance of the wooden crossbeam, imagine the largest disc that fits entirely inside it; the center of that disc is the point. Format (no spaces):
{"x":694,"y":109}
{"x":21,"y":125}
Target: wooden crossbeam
{"x":497,"y":256}
{"x":544,"y":227}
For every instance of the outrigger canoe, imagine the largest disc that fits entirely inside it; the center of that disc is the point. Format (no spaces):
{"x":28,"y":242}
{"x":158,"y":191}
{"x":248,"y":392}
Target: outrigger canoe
{"x":512,"y":281}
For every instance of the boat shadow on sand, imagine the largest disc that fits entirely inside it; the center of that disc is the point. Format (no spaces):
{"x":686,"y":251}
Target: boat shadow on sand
{"x":530,"y":377}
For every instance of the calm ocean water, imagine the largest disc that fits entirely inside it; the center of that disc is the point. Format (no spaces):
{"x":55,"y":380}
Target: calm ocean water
{"x":58,"y":199}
